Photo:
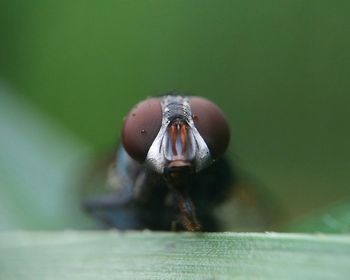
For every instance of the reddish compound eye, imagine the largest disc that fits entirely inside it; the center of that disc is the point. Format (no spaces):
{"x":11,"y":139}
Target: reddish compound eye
{"x":141,"y":127}
{"x":211,"y":125}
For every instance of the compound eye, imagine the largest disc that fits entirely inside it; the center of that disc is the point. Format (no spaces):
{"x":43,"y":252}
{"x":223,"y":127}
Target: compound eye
{"x":141,"y":127}
{"x":211,"y":125}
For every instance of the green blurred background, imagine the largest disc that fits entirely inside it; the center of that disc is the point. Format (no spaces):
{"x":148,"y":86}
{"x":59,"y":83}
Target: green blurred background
{"x":71,"y":70}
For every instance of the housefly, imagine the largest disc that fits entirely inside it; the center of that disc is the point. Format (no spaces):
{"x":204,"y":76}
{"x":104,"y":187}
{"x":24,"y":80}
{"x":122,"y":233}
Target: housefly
{"x":170,"y":172}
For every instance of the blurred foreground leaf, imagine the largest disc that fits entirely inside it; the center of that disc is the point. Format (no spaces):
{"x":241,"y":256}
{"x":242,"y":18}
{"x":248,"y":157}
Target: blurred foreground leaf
{"x":147,"y":255}
{"x":39,"y":163}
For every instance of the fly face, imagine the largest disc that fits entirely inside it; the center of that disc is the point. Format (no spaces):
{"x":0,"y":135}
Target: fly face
{"x":178,"y":143}
{"x":172,"y":145}
{"x":173,"y":130}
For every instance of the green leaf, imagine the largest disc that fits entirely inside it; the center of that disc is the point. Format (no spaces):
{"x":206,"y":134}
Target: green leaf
{"x":333,"y":219}
{"x":149,"y":255}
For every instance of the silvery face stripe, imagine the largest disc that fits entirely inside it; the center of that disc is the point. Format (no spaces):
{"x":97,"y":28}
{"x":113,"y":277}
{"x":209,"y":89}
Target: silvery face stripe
{"x":172,"y":107}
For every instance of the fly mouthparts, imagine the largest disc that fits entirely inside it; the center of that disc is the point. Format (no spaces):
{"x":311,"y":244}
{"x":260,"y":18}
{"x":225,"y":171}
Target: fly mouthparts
{"x":178,"y":166}
{"x":187,"y":209}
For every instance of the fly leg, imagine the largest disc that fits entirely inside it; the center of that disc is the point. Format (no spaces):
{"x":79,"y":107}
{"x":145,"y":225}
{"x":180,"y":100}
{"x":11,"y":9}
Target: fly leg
{"x":106,"y":201}
{"x":114,"y":211}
